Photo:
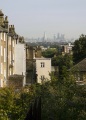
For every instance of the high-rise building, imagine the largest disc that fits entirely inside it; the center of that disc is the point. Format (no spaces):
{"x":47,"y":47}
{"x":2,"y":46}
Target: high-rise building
{"x":44,"y":37}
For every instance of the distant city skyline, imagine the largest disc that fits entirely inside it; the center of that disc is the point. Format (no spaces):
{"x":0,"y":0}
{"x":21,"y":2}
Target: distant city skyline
{"x":33,"y":18}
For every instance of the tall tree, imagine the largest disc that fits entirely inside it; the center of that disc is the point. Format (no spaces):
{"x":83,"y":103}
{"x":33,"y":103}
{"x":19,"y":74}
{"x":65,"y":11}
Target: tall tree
{"x":79,"y":49}
{"x":63,"y":62}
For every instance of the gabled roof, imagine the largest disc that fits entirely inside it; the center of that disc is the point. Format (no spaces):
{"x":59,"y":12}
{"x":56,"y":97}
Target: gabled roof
{"x":81,"y":66}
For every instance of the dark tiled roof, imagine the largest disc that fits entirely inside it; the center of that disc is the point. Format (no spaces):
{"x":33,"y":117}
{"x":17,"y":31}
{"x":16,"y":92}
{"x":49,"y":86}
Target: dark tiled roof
{"x":16,"y":80}
{"x":81,"y":66}
{"x":16,"y":77}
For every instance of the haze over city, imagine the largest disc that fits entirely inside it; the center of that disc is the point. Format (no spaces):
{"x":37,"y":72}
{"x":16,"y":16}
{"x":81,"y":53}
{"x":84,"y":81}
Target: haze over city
{"x":33,"y":18}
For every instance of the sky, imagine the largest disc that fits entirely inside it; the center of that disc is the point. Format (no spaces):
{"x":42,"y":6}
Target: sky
{"x":34,"y":17}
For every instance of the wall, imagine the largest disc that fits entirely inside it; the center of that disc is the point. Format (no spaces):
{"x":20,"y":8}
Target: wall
{"x":43,"y":71}
{"x":20,"y":60}
{"x":3,"y":60}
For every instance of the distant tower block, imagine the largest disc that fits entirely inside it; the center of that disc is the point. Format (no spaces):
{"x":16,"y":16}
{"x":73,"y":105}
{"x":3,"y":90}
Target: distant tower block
{"x":54,"y":37}
{"x":58,"y":36}
{"x":62,"y":36}
{"x":44,"y":37}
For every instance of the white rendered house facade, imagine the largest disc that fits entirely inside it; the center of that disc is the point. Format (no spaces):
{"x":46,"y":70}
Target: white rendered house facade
{"x":20,"y":60}
{"x":43,"y":68}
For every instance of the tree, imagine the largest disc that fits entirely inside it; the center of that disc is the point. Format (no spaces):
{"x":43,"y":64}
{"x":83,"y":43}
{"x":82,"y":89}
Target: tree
{"x":79,"y":49}
{"x":63,"y":62}
{"x":63,"y":101}
{"x":14,"y":104}
{"x":59,"y":101}
{"x":49,"y":53}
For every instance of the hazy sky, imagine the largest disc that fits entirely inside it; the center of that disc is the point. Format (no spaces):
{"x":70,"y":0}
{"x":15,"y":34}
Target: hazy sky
{"x":34,"y":17}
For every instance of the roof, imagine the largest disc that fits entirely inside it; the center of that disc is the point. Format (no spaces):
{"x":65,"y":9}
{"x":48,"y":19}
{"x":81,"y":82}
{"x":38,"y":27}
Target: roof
{"x":16,"y":80}
{"x":3,"y":29}
{"x":42,"y":58}
{"x":81,"y":66}
{"x":16,"y":76}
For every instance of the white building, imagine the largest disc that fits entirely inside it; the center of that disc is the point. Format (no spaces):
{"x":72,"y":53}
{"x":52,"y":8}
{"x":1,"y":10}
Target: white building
{"x":20,"y":60}
{"x":67,"y":48}
{"x":43,"y":68}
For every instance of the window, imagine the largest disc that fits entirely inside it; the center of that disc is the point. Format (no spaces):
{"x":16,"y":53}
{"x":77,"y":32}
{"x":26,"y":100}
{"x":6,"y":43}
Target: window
{"x":10,"y":56}
{"x":42,"y":64}
{"x":42,"y":77}
{"x":1,"y":68}
{"x":13,"y":60}
{"x":10,"y":72}
{"x":1,"y":50}
{"x":1,"y":82}
{"x":9,"y":40}
{"x":4,"y":54}
{"x":13,"y":56}
{"x":79,"y":77}
{"x":4,"y":36}
{"x":13,"y":43}
{"x":5,"y":73}
{"x":1,"y":36}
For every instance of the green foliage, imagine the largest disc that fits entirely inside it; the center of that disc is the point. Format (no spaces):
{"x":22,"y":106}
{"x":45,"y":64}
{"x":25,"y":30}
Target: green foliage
{"x":60,"y":100}
{"x":79,"y":49}
{"x":49,"y":53}
{"x":14,"y":104}
{"x":63,"y":62}
{"x":63,"y":101}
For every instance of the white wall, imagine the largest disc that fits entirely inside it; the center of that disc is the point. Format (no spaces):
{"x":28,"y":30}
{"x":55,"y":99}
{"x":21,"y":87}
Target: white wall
{"x":20,"y":60}
{"x":43,"y":71}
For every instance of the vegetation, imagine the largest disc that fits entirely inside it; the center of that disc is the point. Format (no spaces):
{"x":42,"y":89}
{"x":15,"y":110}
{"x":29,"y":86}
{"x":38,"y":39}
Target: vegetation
{"x":79,"y":49}
{"x":14,"y":103}
{"x":61,"y":99}
{"x":49,"y":53}
{"x":63,"y":62}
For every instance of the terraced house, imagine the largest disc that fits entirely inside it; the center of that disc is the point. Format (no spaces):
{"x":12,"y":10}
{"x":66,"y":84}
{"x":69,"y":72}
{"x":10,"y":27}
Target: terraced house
{"x":8,"y":41}
{"x":3,"y":49}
